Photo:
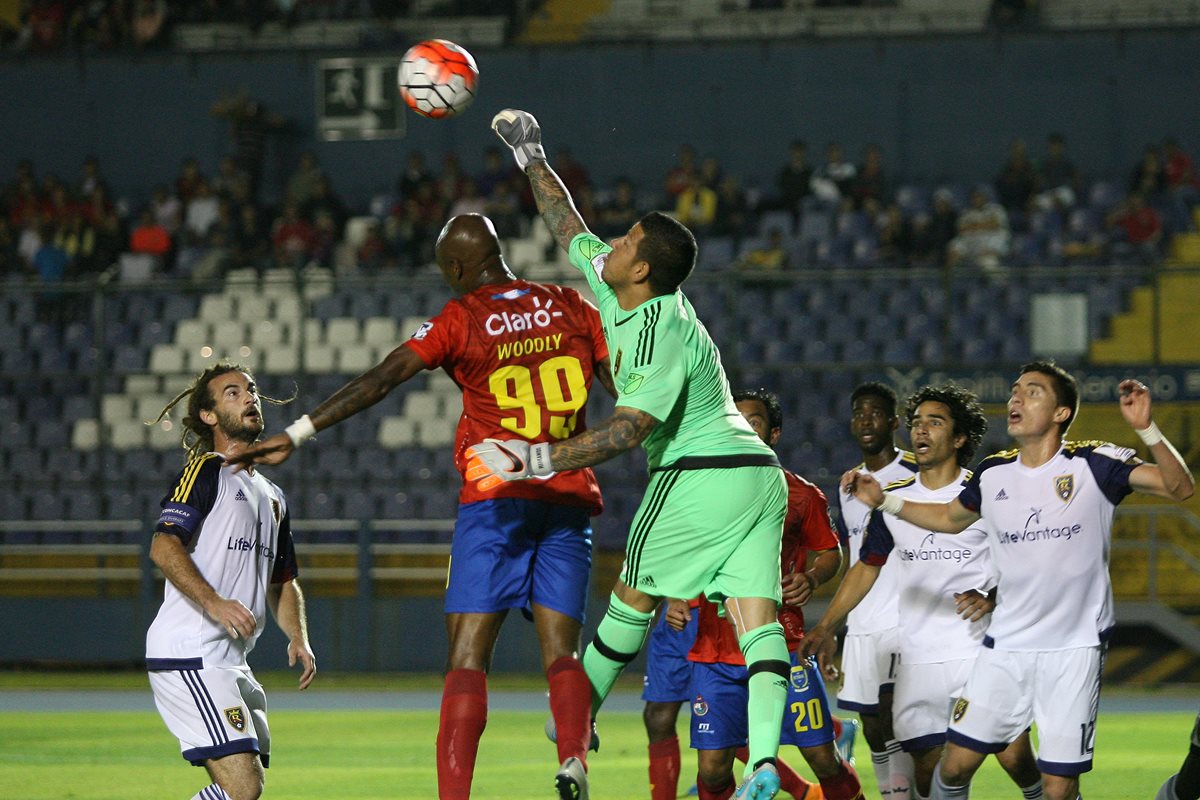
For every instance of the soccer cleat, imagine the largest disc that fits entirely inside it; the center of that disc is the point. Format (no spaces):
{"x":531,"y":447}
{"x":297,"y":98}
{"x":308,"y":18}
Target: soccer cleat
{"x":571,"y":780}
{"x":552,"y":735}
{"x":845,"y":742}
{"x":762,"y":784}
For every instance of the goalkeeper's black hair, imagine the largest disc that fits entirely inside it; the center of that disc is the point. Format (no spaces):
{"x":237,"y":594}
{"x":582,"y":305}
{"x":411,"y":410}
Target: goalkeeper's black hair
{"x":965,"y":412}
{"x":770,"y":402}
{"x":878,"y":390}
{"x":670,"y":250}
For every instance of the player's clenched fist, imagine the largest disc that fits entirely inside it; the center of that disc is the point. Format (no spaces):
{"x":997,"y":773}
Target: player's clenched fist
{"x":521,"y":132}
{"x":495,"y":461}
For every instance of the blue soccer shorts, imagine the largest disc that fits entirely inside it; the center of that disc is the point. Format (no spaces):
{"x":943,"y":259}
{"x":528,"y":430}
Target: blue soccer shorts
{"x":668,"y":676}
{"x":511,"y":553}
{"x":719,"y":696}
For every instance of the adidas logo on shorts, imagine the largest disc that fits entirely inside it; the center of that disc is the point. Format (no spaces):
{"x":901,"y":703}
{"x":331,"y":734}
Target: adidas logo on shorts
{"x":647,"y":581}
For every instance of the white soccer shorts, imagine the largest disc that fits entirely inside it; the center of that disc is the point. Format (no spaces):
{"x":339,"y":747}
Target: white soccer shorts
{"x":869,"y":663}
{"x":213,"y":712}
{"x":1059,"y":690}
{"x":924,"y":696}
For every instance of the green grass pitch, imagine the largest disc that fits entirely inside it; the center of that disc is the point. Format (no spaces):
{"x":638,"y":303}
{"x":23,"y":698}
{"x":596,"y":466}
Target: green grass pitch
{"x":390,"y":754}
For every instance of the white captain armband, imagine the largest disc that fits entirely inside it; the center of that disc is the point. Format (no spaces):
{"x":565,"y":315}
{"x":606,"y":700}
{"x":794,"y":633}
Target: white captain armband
{"x":891,"y":504}
{"x":301,"y":431}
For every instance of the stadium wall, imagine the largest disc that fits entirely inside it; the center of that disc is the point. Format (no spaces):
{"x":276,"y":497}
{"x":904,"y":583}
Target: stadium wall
{"x":942,"y":108}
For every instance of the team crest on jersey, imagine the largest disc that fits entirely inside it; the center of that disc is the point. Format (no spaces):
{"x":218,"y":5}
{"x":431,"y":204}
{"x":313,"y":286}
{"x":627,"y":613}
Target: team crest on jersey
{"x":1064,"y":487}
{"x":799,"y":678}
{"x":423,"y":331}
{"x":699,"y":708}
{"x":236,"y":717}
{"x":633,"y":382}
{"x":276,"y":511}
{"x":960,"y":708}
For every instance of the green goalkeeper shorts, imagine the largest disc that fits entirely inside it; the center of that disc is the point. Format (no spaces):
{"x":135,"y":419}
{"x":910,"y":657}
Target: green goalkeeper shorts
{"x":710,"y":531}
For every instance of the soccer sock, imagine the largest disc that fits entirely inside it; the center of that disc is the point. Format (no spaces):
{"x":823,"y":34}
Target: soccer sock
{"x":463,"y":718}
{"x":1033,"y":791}
{"x":571,"y":707}
{"x":664,"y":769}
{"x":790,"y":781}
{"x":722,"y":792}
{"x":900,"y":765}
{"x":843,"y":786}
{"x":617,"y":641}
{"x":881,"y":763}
{"x":767,"y":666}
{"x":943,"y":792}
{"x":211,"y":792}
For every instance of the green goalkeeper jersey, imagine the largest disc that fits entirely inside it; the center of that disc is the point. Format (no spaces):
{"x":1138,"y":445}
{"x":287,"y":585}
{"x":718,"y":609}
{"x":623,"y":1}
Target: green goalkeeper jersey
{"x":665,"y":364}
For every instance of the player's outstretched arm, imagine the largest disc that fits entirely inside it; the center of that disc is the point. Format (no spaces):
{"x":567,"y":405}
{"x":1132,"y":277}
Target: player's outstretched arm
{"x":363,"y":392}
{"x":951,"y":517}
{"x":169,"y":555}
{"x":286,"y":602}
{"x":1169,"y":476}
{"x":521,"y":132}
{"x":855,"y":585}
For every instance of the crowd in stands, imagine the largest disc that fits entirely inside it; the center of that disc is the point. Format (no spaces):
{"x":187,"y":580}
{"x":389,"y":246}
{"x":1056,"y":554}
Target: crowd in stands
{"x":50,"y":26}
{"x":836,"y":212}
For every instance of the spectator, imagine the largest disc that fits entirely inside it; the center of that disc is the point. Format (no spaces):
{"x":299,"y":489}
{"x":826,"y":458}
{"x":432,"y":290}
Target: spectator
{"x":50,"y":265}
{"x":26,"y":202}
{"x":1139,"y":228}
{"x":150,"y":237}
{"x":45,"y":25}
{"x":696,"y":206}
{"x":189,"y":177}
{"x":1148,"y":178}
{"x":1179,"y":172}
{"x":679,"y":177}
{"x":230,"y":183}
{"x":374,"y":254}
{"x":496,"y":172}
{"x":200,"y":213}
{"x":324,"y":201}
{"x":252,"y":243}
{"x":292,"y":239}
{"x":414,"y":176}
{"x":303,"y":181}
{"x":77,"y":239}
{"x":574,"y":175}
{"x":110,"y":240}
{"x":504,"y":210}
{"x":871,"y":182}
{"x":619,"y":214}
{"x":29,"y":241}
{"x":711,"y":172}
{"x":149,"y":23}
{"x":897,"y":239}
{"x":1058,"y":179}
{"x":733,"y":216}
{"x":770,"y":256}
{"x":470,"y":201}
{"x":251,"y":126}
{"x":983,"y":235}
{"x":932,"y":234}
{"x":1017,"y":180}
{"x":794,"y":179}
{"x":90,"y":179}
{"x":167,"y":209}
{"x":10,"y":261}
{"x":833,"y":180}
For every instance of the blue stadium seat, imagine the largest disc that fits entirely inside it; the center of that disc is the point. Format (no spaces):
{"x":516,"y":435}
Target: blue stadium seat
{"x":858,"y":352}
{"x":783,"y":351}
{"x":900,"y":352}
{"x":818,"y":351}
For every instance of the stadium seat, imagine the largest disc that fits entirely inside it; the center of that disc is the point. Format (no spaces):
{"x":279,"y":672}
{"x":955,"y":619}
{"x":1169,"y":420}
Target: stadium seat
{"x":380,"y":332}
{"x":357,"y":358}
{"x":320,"y":358}
{"x":167,"y":358}
{"x":85,"y":434}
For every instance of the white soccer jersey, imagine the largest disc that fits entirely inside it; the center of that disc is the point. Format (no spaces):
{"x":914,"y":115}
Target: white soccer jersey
{"x":237,"y":530}
{"x":929,"y":569}
{"x":878,"y":610}
{"x":1050,"y":530}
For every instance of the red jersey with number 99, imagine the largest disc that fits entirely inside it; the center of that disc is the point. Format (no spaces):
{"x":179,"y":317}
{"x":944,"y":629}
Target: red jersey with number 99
{"x":524,"y":355}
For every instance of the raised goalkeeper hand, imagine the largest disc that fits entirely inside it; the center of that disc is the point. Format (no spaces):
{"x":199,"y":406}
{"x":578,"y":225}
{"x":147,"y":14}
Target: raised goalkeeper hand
{"x":496,"y":461}
{"x":520,"y":131}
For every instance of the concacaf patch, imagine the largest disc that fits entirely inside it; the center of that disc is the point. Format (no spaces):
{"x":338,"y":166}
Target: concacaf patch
{"x":236,"y":717}
{"x":799,"y":679}
{"x":1064,"y":487}
{"x":960,"y":709}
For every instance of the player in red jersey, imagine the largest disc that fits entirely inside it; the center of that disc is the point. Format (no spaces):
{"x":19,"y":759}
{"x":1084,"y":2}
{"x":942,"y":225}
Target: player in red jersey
{"x":524,"y":355}
{"x":719,"y":674}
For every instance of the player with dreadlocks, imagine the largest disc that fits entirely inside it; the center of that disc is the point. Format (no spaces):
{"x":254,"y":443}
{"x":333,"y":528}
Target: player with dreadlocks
{"x":223,"y":540}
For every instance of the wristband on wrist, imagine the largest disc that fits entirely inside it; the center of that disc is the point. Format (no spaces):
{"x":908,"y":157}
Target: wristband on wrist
{"x":539,"y":460}
{"x":891,"y":504}
{"x":1151,"y":435}
{"x":300,"y":431}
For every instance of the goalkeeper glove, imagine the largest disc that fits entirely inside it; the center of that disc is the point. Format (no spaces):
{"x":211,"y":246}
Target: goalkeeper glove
{"x":520,"y":131}
{"x":495,"y":461}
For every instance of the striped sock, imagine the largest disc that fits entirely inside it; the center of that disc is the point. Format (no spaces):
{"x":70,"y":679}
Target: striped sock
{"x":617,"y":641}
{"x":900,"y":765}
{"x":943,"y":792}
{"x":881,"y":763}
{"x":1033,"y":791}
{"x":211,"y":792}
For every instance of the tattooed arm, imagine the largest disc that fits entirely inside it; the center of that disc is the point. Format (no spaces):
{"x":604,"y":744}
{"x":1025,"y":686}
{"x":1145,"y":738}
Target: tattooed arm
{"x":363,"y":392}
{"x":624,"y":430}
{"x":555,"y":204}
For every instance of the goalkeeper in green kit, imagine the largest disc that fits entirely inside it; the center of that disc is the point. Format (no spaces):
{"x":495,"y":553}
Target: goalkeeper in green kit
{"x":712,"y":516}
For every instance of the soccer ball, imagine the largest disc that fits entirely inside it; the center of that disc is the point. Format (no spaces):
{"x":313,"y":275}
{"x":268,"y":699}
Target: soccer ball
{"x":437,"y":78}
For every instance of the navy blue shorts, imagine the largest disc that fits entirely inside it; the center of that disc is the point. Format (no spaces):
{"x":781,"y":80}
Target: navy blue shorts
{"x":512,"y":552}
{"x":719,"y":695}
{"x":668,"y":676}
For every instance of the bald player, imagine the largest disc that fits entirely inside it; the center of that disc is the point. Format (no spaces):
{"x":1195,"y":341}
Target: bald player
{"x":524,"y":355}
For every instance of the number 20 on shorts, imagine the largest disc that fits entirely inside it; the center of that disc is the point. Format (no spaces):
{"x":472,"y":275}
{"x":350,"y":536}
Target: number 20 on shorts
{"x":563,"y":390}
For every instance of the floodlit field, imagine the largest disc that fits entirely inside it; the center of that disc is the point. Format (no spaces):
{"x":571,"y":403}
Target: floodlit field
{"x":106,"y":755}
